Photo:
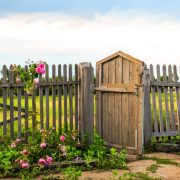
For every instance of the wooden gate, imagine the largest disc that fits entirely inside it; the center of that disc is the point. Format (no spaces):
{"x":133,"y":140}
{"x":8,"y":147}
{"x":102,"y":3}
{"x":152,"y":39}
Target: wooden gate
{"x":119,"y":98}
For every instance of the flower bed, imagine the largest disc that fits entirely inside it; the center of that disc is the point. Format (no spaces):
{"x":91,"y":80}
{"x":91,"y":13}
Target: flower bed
{"x":51,"y":150}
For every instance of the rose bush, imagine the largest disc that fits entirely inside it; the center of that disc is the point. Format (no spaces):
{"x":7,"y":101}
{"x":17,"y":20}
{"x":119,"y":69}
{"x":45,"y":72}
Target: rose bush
{"x":29,"y":76}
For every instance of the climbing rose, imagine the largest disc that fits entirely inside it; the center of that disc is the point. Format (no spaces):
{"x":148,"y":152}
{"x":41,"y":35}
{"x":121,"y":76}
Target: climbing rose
{"x":18,"y":80}
{"x":43,"y":145}
{"x":36,"y":81}
{"x":49,"y":159}
{"x":40,"y":69}
{"x":62,"y":138}
{"x":42,"y":161}
{"x":25,"y":165}
{"x":25,"y":152}
{"x":13,"y":145}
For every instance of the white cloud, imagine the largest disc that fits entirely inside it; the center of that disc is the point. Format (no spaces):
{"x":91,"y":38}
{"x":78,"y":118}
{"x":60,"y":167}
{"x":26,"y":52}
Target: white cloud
{"x":154,"y":39}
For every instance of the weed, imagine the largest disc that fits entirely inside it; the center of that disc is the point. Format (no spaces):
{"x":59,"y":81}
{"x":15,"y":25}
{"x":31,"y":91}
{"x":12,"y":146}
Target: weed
{"x":153,"y":168}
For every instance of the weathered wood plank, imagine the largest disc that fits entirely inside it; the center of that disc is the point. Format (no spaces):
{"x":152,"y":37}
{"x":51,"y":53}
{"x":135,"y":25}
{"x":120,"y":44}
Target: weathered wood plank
{"x":147,"y":107}
{"x":111,"y":102}
{"x":47,"y":97}
{"x":11,"y":96}
{"x":97,"y":99}
{"x":165,"y":84}
{"x":166,"y":99}
{"x":59,"y":98}
{"x":41,"y":104}
{"x":153,"y":100}
{"x":171,"y":99}
{"x":70,"y":98}
{"x":139,"y":132}
{"x":88,"y":108}
{"x":105,"y":129}
{"x":133,"y":79}
{"x":160,"y":99}
{"x":177,"y":97}
{"x":19,"y":112}
{"x":65,"y":93}
{"x":118,"y":71}
{"x":34,"y":124}
{"x":125,"y":103}
{"x":54,"y":96}
{"x":76,"y":98}
{"x":4,"y":101}
{"x":26,"y":106}
{"x":104,"y":72}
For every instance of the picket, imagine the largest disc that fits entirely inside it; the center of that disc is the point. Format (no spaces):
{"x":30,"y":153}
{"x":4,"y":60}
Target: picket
{"x":61,"y":89}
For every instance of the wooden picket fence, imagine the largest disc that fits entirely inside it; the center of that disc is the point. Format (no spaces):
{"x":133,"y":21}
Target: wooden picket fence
{"x":58,"y":105}
{"x":162,"y":107}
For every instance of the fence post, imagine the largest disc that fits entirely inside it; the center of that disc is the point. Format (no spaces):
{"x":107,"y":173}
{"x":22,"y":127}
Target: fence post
{"x":147,"y":107}
{"x":86,"y":99}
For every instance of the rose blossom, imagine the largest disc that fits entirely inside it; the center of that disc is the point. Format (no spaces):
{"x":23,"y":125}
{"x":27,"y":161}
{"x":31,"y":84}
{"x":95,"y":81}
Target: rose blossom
{"x":62,"y":138}
{"x":40,"y":69}
{"x":41,"y":65}
{"x":49,"y":159}
{"x":18,"y":80}
{"x":36,"y":81}
{"x":17,"y":141}
{"x":25,"y":152}
{"x":42,"y":161}
{"x":25,"y":165}
{"x":13,"y":145}
{"x":43,"y":145}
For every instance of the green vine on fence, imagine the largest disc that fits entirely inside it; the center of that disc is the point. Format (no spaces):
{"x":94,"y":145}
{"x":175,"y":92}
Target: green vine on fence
{"x":29,"y":76}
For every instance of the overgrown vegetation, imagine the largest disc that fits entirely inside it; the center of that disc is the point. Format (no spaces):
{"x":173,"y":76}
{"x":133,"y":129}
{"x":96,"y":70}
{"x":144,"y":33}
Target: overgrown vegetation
{"x":50,"y":150}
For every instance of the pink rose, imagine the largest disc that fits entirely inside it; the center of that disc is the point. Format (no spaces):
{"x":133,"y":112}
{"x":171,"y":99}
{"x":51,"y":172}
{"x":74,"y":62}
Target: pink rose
{"x":62,"y":138}
{"x":38,"y":70}
{"x":42,"y":161}
{"x":49,"y":160}
{"x":43,"y":145}
{"x":41,"y":65}
{"x":25,"y":152}
{"x":36,"y":81}
{"x":25,"y":165}
{"x":17,"y":141}
{"x":18,"y":80}
{"x":43,"y":71}
{"x":13,"y":145}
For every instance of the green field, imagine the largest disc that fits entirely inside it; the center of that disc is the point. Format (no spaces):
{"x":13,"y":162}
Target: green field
{"x":164,"y":108}
{"x":37,"y":110}
{"x":62,"y":101}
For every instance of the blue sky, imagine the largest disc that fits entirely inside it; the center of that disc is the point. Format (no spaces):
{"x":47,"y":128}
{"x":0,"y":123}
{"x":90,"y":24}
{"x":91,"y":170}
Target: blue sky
{"x":71,"y":31}
{"x":87,"y":7}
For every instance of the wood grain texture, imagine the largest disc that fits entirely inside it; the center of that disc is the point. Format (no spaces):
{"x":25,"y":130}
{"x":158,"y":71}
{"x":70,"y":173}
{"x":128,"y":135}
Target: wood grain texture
{"x":171,"y":99}
{"x":166,"y":99}
{"x":160,"y":99}
{"x":11,"y":96}
{"x":47,"y":97}
{"x":4,"y":101}
{"x":154,"y":100}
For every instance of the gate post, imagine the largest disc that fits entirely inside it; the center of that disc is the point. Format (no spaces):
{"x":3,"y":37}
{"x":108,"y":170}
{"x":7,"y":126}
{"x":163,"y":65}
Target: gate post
{"x":147,"y":107}
{"x":86,"y":99}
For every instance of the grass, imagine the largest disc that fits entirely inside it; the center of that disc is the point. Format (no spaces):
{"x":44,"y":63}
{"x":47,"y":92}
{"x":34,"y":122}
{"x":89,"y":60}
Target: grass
{"x":164,"y":108}
{"x":68,"y":110}
{"x":153,"y":168}
{"x":37,"y":109}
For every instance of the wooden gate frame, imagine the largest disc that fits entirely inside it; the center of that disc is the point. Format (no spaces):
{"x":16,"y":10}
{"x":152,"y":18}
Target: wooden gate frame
{"x":137,"y":89}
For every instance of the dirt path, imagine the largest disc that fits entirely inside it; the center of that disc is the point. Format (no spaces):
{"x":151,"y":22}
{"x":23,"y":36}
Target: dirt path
{"x":164,"y":171}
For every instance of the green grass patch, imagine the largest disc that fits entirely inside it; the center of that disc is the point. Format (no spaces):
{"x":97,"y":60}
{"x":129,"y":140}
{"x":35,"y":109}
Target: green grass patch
{"x":153,"y":168}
